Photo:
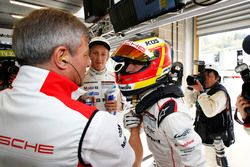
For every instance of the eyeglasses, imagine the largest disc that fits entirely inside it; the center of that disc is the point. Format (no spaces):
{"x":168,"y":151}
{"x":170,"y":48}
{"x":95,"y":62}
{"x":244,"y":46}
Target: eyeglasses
{"x":118,"y":66}
{"x":122,"y":63}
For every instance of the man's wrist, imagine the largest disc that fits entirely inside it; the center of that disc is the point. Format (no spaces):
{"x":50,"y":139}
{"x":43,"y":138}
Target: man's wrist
{"x":135,"y":130}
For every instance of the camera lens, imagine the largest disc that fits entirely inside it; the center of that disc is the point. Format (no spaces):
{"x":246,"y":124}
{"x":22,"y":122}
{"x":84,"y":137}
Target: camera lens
{"x":191,"y":80}
{"x":13,"y":69}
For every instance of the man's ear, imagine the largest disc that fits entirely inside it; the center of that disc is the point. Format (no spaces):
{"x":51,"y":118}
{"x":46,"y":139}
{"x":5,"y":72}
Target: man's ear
{"x":60,"y":57}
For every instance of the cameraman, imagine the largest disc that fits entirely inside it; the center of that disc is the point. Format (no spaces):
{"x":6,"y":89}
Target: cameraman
{"x":210,"y":101}
{"x":241,"y":104}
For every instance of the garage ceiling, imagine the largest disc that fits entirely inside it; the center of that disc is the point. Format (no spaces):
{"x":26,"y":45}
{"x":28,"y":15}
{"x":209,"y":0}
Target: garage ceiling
{"x":7,"y":9}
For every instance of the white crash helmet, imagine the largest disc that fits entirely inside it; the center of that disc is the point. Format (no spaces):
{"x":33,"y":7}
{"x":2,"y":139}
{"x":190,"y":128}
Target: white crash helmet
{"x":212,"y":67}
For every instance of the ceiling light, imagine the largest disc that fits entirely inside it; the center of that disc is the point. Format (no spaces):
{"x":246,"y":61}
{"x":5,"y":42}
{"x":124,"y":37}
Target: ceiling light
{"x":17,"y":16}
{"x":80,"y":13}
{"x":26,"y":4}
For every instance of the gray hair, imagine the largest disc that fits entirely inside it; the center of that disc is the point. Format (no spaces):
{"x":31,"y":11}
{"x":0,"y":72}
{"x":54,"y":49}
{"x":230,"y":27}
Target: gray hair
{"x":37,"y":35}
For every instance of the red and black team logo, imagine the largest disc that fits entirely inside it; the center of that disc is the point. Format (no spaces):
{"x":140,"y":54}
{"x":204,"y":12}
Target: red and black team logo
{"x":167,"y":108}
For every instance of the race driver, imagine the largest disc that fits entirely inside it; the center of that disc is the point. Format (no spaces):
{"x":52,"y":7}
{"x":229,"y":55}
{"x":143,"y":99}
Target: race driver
{"x":143,"y":75}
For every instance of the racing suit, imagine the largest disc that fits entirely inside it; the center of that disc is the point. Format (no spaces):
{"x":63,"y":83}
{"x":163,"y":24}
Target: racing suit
{"x":171,"y":137}
{"x":41,"y":125}
{"x":96,"y":83}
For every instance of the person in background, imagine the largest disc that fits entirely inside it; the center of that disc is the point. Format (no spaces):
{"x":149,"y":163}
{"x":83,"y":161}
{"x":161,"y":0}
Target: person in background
{"x":212,"y":103}
{"x":143,"y":75}
{"x":41,"y":122}
{"x":2,"y":86}
{"x":242,"y":104}
{"x":99,"y":81}
{"x":8,"y":72}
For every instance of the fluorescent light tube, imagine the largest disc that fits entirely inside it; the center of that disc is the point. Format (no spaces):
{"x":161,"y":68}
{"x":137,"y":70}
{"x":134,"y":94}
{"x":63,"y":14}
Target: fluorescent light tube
{"x":17,"y":16}
{"x":25,"y":4}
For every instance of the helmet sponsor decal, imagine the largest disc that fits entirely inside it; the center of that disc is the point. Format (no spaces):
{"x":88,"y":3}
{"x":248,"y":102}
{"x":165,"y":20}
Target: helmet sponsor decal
{"x":152,"y":42}
{"x":125,"y":87}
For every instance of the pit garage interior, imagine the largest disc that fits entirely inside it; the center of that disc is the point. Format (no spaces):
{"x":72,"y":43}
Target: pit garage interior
{"x":183,"y":28}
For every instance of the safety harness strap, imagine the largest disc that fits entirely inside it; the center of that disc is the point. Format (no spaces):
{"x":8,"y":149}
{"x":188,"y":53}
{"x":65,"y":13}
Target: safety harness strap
{"x":160,"y":93}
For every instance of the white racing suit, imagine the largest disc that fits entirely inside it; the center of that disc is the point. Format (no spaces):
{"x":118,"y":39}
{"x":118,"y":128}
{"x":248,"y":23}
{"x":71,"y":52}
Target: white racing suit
{"x":97,"y":83}
{"x":171,"y":137}
{"x":41,"y":125}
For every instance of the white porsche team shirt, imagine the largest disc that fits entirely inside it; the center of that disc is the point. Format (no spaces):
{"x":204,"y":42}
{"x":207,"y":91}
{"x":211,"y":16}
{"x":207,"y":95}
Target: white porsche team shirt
{"x":96,"y":83}
{"x":41,"y":125}
{"x":171,"y":137}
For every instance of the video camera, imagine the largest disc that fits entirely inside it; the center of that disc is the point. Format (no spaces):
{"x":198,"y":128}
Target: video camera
{"x":177,"y":73}
{"x":8,"y":68}
{"x":245,"y":75}
{"x":191,"y":79}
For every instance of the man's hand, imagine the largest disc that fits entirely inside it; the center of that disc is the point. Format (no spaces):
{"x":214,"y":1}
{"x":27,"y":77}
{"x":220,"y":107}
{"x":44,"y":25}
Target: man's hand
{"x":111,"y":105}
{"x":131,"y":120}
{"x":241,"y":104}
{"x":198,"y":87}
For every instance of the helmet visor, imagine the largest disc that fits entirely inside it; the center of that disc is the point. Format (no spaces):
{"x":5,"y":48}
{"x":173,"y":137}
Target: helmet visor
{"x":134,"y":51}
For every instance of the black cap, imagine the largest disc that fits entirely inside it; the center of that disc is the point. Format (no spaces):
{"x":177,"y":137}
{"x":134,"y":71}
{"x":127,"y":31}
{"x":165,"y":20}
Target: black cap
{"x":246,"y":44}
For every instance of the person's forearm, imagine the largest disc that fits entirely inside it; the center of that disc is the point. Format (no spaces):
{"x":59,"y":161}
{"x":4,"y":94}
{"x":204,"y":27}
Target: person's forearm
{"x":190,"y":97}
{"x":241,"y":104}
{"x":135,"y":142}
